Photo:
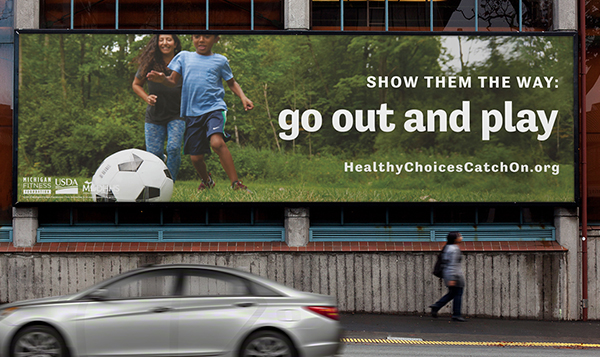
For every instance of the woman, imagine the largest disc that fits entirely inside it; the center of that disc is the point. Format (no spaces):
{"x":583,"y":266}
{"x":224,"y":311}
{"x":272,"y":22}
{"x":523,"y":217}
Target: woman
{"x":453,"y":277}
{"x":162,"y":113}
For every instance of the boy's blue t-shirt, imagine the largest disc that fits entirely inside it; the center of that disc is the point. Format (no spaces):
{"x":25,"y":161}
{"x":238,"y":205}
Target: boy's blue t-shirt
{"x":202,"y":91}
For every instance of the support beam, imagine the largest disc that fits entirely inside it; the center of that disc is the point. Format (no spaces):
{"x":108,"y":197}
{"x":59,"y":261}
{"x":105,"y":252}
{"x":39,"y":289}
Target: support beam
{"x":567,"y":234}
{"x":296,"y":14}
{"x":297,"y":226}
{"x":25,"y":225}
{"x":565,"y":15}
{"x":27,"y":14}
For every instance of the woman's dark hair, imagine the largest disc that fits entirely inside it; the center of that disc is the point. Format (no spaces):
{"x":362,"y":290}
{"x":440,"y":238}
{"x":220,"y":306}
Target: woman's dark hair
{"x":151,"y":57}
{"x":452,"y":237}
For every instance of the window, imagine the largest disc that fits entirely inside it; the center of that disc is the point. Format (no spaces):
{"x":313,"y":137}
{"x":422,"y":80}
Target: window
{"x":498,"y":215}
{"x":173,"y":215}
{"x":89,"y":215}
{"x":411,"y":215}
{"x":436,"y":15}
{"x":162,"y":14}
{"x":211,"y":283}
{"x":260,"y":290}
{"x":230,"y":215}
{"x":156,"y":216}
{"x":538,"y":215}
{"x":364,"y":214}
{"x":146,"y":215}
{"x":145,"y":285}
{"x":454,"y":215}
{"x":325,"y":216}
{"x":265,"y":215}
{"x":430,"y":215}
{"x":54,"y":215}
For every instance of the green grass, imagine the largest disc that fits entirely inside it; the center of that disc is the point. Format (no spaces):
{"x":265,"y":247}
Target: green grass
{"x":276,"y":177}
{"x":277,"y":192}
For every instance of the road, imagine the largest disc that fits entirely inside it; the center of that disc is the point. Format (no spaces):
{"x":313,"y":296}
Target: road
{"x":374,"y":335}
{"x":362,"y":350}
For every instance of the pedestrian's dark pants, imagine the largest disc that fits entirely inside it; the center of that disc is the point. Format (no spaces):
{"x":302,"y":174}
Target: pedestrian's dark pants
{"x":454,"y":293}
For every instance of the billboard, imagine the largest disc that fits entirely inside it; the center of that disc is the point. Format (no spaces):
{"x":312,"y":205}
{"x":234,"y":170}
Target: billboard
{"x":315,"y":117}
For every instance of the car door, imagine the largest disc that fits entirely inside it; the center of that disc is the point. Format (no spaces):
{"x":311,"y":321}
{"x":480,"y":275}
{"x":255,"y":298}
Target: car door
{"x":213,"y":311}
{"x":134,"y":318}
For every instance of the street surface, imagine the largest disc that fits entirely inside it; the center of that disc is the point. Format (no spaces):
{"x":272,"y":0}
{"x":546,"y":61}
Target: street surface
{"x":421,"y":335}
{"x":358,"y":350}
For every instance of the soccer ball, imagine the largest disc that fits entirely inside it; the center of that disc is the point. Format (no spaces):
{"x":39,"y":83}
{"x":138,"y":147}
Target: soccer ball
{"x":132,"y":175}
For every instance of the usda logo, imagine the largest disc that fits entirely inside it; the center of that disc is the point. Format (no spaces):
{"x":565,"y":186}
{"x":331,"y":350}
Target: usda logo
{"x":66,"y":186}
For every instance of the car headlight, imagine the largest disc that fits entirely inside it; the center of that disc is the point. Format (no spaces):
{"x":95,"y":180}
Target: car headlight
{"x":5,"y":312}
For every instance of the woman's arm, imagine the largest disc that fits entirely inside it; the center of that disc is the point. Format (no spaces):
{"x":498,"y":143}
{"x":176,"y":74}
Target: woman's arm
{"x":138,"y":88}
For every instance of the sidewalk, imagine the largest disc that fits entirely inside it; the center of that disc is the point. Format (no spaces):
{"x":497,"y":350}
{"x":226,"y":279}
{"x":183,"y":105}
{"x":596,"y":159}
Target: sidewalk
{"x":382,"y":326}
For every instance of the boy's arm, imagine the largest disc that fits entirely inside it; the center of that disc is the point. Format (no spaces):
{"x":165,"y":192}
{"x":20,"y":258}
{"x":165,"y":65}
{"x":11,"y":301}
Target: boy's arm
{"x":235,"y":88}
{"x":159,"y":77}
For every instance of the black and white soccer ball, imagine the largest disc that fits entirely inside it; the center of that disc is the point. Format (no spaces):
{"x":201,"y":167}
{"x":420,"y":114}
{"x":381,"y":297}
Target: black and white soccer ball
{"x":132,"y":175}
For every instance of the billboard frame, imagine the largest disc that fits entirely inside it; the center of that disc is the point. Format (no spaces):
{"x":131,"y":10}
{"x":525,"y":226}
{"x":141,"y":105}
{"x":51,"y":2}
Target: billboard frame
{"x":576,"y":115}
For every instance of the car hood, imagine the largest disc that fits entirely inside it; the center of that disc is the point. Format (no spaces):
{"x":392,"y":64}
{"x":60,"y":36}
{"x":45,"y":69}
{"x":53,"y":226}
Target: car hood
{"x":41,"y":301}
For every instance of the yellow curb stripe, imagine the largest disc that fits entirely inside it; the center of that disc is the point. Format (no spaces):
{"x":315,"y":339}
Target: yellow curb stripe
{"x":470,"y":343}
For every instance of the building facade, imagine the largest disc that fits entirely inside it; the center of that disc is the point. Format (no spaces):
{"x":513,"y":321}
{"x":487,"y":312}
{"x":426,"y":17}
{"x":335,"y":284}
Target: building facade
{"x":523,"y":260}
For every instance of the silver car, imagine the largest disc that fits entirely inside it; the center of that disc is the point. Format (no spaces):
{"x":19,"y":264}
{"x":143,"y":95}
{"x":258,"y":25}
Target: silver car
{"x":174,"y":310}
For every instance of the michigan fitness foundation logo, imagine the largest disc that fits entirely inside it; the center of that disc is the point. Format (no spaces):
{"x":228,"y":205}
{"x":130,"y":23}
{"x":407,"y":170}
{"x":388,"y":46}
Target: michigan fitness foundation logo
{"x":37,"y":185}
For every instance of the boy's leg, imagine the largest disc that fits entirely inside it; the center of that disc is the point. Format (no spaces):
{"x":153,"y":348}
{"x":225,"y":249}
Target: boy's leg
{"x":197,"y":145}
{"x":216,"y":122}
{"x":200,"y":166}
{"x":220,"y":148}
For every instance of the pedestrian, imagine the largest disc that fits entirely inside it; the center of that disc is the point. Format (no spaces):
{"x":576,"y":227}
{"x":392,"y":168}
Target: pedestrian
{"x":203,"y":105}
{"x":162,"y":120}
{"x":453,"y":277}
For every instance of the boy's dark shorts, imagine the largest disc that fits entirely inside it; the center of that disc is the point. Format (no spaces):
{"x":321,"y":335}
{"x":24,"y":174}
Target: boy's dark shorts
{"x":199,"y":129}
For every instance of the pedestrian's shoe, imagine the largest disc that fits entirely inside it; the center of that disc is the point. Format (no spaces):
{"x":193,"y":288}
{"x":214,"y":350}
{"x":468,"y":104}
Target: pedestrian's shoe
{"x":204,"y":185}
{"x":238,"y":185}
{"x":434,"y":310}
{"x":459,"y":319}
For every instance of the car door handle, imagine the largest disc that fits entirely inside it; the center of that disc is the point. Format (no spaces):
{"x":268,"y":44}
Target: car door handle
{"x":244,"y":304}
{"x":158,"y":310}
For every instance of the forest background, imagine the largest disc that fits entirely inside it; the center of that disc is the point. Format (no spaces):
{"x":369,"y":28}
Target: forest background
{"x":76,"y":107}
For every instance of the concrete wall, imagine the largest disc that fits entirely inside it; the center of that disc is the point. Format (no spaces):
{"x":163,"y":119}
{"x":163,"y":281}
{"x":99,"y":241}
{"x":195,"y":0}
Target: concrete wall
{"x":593,"y":275}
{"x":508,"y":285}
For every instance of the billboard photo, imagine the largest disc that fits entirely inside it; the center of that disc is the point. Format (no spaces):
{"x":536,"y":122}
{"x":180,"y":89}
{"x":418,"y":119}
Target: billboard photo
{"x":326,"y":118}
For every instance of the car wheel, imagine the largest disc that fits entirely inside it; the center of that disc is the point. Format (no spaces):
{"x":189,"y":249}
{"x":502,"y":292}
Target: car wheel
{"x":267,"y":344}
{"x":38,"y":341}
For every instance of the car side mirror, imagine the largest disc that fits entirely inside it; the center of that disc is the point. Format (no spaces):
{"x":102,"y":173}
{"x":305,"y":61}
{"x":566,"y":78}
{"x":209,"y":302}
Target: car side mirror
{"x":99,"y":295}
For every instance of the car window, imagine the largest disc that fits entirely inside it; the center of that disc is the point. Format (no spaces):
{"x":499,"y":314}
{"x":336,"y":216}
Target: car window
{"x":159,"y":283}
{"x":260,"y":290}
{"x":210,"y":283}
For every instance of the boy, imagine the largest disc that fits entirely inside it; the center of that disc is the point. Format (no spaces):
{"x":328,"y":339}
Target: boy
{"x":203,"y":106}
